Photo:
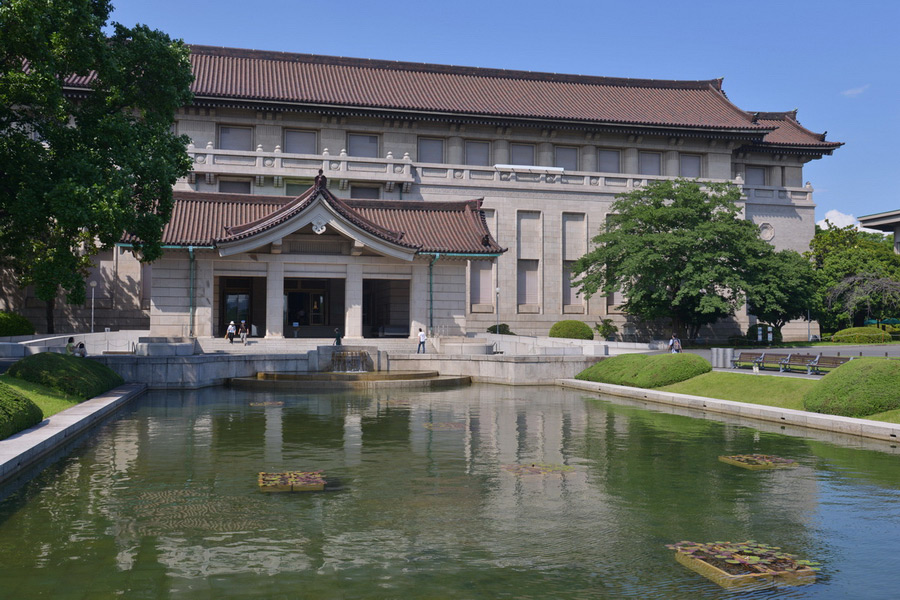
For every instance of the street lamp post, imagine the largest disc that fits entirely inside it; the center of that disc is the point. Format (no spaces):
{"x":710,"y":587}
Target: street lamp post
{"x":93,"y":287}
{"x":497,"y":310}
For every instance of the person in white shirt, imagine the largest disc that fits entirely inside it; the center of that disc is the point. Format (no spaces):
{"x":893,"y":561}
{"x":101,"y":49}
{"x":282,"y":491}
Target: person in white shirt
{"x":422,"y":339}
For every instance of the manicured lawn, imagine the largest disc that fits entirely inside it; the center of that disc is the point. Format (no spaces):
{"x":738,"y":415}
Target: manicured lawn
{"x":890,"y":416}
{"x":768,"y":390}
{"x":50,"y":401}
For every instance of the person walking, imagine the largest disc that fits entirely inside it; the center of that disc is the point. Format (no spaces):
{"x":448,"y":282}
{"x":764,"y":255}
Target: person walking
{"x":675,"y":345}
{"x":337,"y":337}
{"x":422,"y":339}
{"x":229,"y":333}
{"x":243,"y":331}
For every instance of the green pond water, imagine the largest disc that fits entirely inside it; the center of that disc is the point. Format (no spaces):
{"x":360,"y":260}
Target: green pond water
{"x":162,"y":501}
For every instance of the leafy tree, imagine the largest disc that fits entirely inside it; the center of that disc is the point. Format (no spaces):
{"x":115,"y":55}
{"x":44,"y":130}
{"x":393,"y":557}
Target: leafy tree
{"x":781,"y":286}
{"x":82,"y":166}
{"x":873,"y":296}
{"x":841,"y":252}
{"x":677,"y":251}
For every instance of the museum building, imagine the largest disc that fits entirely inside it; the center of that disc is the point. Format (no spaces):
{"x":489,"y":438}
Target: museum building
{"x":452,"y":198}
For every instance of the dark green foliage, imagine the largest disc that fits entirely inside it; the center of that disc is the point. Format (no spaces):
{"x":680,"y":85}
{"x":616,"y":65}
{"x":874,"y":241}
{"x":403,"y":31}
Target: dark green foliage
{"x":640,"y":370}
{"x":14,"y":324}
{"x":862,"y":387}
{"x":571,"y":329}
{"x":502,"y":329}
{"x":72,"y":375}
{"x":16,"y":412}
{"x":781,"y":286}
{"x":861,"y":335}
{"x":753,"y":333}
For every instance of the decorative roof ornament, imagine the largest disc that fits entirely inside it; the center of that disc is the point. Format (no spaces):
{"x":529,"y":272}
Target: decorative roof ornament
{"x":320,"y":182}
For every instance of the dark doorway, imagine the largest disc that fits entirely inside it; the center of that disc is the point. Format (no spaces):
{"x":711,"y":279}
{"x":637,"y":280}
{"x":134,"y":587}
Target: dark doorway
{"x":313,"y":307}
{"x":242,"y":299}
{"x":386,"y":308}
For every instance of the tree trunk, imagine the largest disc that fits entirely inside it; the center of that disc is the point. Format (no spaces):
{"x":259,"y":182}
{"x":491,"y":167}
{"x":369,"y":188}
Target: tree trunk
{"x":49,"y":313}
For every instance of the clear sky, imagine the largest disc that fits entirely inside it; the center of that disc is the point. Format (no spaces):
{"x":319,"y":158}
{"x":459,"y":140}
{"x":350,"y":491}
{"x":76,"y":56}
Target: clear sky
{"x":837,"y":61}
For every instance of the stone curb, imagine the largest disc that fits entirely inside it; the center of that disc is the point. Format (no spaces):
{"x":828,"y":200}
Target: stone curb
{"x":879,"y":430}
{"x":23,"y":449}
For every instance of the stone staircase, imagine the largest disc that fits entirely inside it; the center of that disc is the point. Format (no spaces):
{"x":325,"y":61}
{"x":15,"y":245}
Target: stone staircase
{"x":302,"y":345}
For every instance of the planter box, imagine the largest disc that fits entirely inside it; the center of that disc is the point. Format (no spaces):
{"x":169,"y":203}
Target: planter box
{"x":735,"y":460}
{"x":292,"y":481}
{"x":727,"y":580}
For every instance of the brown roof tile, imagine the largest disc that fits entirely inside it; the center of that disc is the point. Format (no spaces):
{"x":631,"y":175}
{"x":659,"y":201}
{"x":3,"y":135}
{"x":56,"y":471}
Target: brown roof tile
{"x":203,"y":219}
{"x":789,"y":132}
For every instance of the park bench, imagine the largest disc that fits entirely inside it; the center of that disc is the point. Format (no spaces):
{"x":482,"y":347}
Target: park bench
{"x":772,"y":360}
{"x":748,"y":358}
{"x":828,"y":362}
{"x":799,"y":361}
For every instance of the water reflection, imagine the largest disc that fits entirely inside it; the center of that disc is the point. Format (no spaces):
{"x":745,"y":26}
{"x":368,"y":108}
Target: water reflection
{"x":163,"y":501}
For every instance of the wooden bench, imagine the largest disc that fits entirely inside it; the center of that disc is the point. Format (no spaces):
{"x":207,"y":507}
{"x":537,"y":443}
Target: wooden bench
{"x":828,"y":362}
{"x":798,"y":360}
{"x":750,"y":358}
{"x":772,"y":360}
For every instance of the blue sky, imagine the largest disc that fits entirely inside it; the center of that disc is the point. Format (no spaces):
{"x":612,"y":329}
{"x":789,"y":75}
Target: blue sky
{"x":836,"y":61}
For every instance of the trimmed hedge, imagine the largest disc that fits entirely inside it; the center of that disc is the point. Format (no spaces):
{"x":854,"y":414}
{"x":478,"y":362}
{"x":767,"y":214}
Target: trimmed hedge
{"x":861,"y":335}
{"x":501,"y":329}
{"x":859,"y":388}
{"x":571,"y":329}
{"x":72,"y":375}
{"x":753,"y":333}
{"x":14,"y":324}
{"x":16,"y":412}
{"x":640,"y":370}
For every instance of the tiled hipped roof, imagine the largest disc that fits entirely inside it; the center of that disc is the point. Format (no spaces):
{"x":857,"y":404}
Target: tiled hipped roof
{"x":203,"y":219}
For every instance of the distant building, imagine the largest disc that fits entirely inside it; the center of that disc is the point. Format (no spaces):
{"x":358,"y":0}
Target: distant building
{"x":417,"y":157}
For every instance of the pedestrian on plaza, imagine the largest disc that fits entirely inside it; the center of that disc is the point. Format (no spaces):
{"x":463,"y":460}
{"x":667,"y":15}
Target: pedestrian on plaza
{"x":337,"y":336}
{"x":229,"y":333}
{"x":422,"y":339}
{"x":243,"y":331}
{"x":675,"y":345}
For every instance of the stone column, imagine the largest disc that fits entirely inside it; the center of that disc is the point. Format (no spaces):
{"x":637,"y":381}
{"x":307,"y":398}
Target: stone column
{"x":589,"y":159}
{"x":455,"y":150}
{"x":671,"y":166}
{"x":275,"y":299}
{"x":631,"y":161}
{"x":353,"y":302}
{"x":501,"y":152}
{"x":775,"y":176}
{"x":545,"y":155}
{"x":418,"y":298}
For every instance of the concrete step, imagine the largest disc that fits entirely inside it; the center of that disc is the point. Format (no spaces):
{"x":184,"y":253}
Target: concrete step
{"x":302,"y":345}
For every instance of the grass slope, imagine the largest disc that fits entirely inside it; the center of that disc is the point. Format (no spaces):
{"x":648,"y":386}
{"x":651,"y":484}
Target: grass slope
{"x":71,"y":375}
{"x":49,"y":400}
{"x":768,"y":390}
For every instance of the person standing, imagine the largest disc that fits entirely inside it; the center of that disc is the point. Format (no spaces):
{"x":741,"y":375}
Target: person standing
{"x":337,"y":336}
{"x":243,"y":331}
{"x":675,"y":345}
{"x":229,"y":333}
{"x":422,"y":338}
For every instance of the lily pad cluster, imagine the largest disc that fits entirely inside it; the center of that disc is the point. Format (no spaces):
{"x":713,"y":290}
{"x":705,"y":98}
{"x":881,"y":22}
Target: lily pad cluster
{"x":768,"y":460}
{"x":445,"y":426}
{"x":738,"y":558}
{"x":292,"y":481}
{"x":537,"y":468}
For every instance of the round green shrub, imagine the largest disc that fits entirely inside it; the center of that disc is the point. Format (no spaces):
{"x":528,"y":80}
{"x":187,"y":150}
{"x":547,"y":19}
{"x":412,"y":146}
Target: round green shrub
{"x":859,"y":388}
{"x":72,"y":375}
{"x":753,"y":333}
{"x":571,"y":329}
{"x":501,"y":329}
{"x":640,"y":370}
{"x":861,"y":335}
{"x":16,"y":412}
{"x":14,"y":324}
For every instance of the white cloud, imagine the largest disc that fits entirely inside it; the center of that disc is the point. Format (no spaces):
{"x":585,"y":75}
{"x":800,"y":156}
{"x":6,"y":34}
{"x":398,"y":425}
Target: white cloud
{"x":853,"y":92}
{"x":839,"y":219}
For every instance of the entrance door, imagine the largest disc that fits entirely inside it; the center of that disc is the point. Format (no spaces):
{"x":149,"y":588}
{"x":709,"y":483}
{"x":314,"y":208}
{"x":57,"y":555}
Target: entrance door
{"x":308,"y":308}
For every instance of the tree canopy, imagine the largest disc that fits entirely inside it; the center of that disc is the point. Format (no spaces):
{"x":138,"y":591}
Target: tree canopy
{"x":677,"y":250}
{"x":781,"y":287}
{"x":82,"y":166}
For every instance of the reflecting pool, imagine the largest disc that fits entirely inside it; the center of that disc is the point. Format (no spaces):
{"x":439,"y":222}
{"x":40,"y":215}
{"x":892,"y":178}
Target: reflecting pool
{"x":162,"y":501}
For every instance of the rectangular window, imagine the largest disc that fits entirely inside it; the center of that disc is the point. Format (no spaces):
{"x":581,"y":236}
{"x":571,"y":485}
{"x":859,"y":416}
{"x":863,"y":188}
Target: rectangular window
{"x":295,"y":188}
{"x":364,"y":192}
{"x":234,"y":186}
{"x":566,"y":157}
{"x":478,"y":153}
{"x":431,"y":150}
{"x":570,"y":294}
{"x":527,"y":284}
{"x":299,"y":142}
{"x":689,"y":166}
{"x":609,"y":161}
{"x":362,"y":145}
{"x":235,"y":138}
{"x":481,"y":288}
{"x":650,"y":163}
{"x":521,"y":154}
{"x":755,"y":175}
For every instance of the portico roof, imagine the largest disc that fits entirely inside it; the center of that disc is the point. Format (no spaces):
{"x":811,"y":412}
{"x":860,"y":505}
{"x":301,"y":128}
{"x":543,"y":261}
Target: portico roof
{"x":410,"y":227}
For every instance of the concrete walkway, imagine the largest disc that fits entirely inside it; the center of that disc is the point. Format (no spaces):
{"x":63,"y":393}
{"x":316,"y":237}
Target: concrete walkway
{"x":23,"y":449}
{"x":879,"y":430}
